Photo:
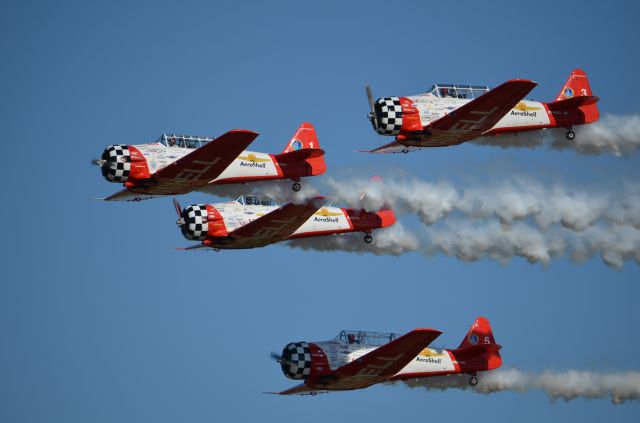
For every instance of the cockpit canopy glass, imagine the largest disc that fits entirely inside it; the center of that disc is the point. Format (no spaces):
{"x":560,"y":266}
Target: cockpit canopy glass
{"x":183,"y":141}
{"x":365,"y":338}
{"x":458,"y":91}
{"x":254,"y":200}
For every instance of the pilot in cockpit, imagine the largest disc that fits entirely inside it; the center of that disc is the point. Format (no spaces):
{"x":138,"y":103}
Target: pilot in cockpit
{"x":172,"y":141}
{"x":351,"y":338}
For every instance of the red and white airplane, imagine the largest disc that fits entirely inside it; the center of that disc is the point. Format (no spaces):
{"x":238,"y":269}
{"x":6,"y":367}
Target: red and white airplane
{"x":177,"y":164}
{"x":452,"y":114}
{"x":251,"y":221}
{"x":356,"y":359}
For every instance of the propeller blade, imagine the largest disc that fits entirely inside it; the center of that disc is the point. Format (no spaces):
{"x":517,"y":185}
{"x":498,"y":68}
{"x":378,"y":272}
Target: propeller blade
{"x":373,"y":116}
{"x":176,"y":204}
{"x":370,"y":97}
{"x":275,"y":356}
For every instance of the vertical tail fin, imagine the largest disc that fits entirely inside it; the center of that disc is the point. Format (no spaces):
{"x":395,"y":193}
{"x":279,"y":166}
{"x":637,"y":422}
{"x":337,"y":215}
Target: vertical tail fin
{"x":578,"y":92}
{"x":480,"y":343}
{"x":576,"y":86}
{"x":304,"y":138}
{"x":479,"y":334}
{"x":479,"y":348}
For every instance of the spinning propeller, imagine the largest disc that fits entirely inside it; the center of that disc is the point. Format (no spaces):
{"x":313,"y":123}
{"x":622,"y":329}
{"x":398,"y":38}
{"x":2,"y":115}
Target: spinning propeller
{"x":281,"y":360}
{"x":176,"y":204}
{"x":373,"y":115}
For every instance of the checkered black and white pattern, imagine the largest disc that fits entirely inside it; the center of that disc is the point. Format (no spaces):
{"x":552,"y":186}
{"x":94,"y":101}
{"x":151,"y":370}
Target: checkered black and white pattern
{"x":118,"y":166}
{"x":196,"y":224}
{"x":296,"y":360}
{"x":389,"y":115}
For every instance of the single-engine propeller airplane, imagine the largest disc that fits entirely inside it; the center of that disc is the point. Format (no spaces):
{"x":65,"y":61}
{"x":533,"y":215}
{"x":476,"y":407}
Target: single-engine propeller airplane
{"x":452,"y":114}
{"x":251,"y":221}
{"x":357,"y":359}
{"x":178,"y":164}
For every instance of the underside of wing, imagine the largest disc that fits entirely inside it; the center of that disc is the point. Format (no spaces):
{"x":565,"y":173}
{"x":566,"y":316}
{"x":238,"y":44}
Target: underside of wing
{"x":378,"y":365}
{"x":475,"y":117}
{"x":199,"y":167}
{"x":302,"y":389}
{"x":127,"y":195}
{"x":274,"y":226}
{"x":392,"y":148}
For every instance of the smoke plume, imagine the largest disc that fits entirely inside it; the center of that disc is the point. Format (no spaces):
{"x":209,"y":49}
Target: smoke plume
{"x":565,"y":385}
{"x":617,"y":135}
{"x":394,"y":240}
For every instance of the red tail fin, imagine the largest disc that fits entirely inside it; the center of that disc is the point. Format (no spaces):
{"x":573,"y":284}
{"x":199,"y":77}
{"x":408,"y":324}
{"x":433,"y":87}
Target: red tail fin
{"x":576,"y":88}
{"x":304,"y":138}
{"x":479,"y":341}
{"x":479,"y":334}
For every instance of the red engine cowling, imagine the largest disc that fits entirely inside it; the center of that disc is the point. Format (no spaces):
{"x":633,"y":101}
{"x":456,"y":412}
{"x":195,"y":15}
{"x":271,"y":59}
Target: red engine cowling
{"x":121,"y":163}
{"x":200,"y":221}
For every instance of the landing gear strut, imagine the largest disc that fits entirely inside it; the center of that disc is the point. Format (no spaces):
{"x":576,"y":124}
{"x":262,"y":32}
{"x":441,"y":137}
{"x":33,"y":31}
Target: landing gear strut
{"x":296,"y":186}
{"x":473,"y":380}
{"x":570,"y":135}
{"x":368,"y":239}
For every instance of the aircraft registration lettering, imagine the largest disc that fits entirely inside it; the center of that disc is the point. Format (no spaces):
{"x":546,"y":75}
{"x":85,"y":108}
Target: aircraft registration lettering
{"x":467,"y":125}
{"x":191,"y":174}
{"x":372,"y":370}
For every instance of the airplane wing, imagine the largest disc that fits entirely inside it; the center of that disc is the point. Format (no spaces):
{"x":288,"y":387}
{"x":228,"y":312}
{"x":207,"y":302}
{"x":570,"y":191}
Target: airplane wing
{"x":127,"y":195}
{"x":477,"y":116}
{"x":274,"y":226}
{"x":392,"y":147}
{"x":467,"y":122}
{"x":195,"y":169}
{"x":374,"y":367}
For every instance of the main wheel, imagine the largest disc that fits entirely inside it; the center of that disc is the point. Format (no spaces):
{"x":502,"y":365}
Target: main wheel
{"x":473,"y":381}
{"x":296,"y":186}
{"x":368,"y":239}
{"x":405,"y":151}
{"x":570,"y":135}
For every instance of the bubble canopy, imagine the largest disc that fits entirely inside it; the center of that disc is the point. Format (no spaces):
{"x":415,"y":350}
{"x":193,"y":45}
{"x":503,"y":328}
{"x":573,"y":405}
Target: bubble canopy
{"x":365,"y":337}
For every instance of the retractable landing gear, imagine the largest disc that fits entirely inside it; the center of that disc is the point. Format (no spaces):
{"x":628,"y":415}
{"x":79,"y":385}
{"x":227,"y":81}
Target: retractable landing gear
{"x":473,"y":380}
{"x":570,"y":135}
{"x":368,"y":238}
{"x":296,"y":186}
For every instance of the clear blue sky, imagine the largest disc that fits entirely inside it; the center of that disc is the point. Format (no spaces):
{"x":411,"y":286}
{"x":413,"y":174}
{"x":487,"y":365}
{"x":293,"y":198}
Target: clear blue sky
{"x":102,"y":320}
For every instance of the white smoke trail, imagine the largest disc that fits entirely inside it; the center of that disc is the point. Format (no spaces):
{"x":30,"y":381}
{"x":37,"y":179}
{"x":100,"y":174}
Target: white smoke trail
{"x":617,"y":135}
{"x":566,"y":385}
{"x":469,"y":240}
{"x":394,"y":240}
{"x":509,"y":201}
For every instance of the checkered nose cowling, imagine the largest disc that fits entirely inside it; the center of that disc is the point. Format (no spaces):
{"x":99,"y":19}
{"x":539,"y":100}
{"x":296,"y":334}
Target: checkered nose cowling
{"x":195,"y":226}
{"x":117,"y":163}
{"x":389,"y":115}
{"x":296,"y":360}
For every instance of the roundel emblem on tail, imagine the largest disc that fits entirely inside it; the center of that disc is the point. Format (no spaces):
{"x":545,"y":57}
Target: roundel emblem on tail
{"x":296,"y":145}
{"x":473,"y":339}
{"x":568,"y":92}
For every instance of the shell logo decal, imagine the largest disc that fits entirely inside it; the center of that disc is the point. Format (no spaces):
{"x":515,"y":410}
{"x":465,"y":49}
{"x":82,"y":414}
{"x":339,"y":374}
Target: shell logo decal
{"x":326,"y":213}
{"x":522,"y":106}
{"x":428,"y":352}
{"x":252,"y":158}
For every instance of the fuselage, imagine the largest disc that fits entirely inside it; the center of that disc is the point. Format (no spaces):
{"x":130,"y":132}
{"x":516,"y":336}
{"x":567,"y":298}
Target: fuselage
{"x":146,"y":159}
{"x":223,"y":218}
{"x":526,"y":115}
{"x":328,"y":356}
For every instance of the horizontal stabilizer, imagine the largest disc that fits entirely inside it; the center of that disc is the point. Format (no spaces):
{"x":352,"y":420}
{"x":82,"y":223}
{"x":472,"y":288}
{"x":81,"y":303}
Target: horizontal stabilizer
{"x":299,"y":155}
{"x":574,"y":102}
